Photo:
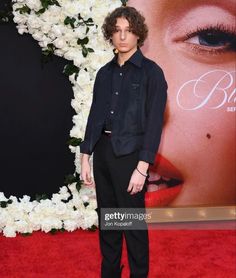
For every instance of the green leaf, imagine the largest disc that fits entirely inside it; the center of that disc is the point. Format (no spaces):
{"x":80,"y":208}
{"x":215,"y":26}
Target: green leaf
{"x":83,"y":41}
{"x":78,"y":185}
{"x":93,"y":228}
{"x":47,"y":54}
{"x":90,"y":49}
{"x":23,"y":10}
{"x":86,"y":204}
{"x":70,"y":21}
{"x":41,"y":11}
{"x":73,"y":141}
{"x":53,"y":231}
{"x":46,"y":3}
{"x":26,"y":234}
{"x":69,"y":179}
{"x":70,"y":69}
{"x":84,"y":51}
{"x":39,"y":197}
{"x":3,"y":204}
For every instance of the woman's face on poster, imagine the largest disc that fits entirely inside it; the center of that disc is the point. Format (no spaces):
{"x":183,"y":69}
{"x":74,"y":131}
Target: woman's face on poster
{"x":194,"y":41}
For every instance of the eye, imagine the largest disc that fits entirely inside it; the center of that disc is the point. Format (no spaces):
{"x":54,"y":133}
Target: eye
{"x":218,"y":38}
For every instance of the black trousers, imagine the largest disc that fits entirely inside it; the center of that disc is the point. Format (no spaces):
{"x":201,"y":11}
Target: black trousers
{"x":112,"y":175}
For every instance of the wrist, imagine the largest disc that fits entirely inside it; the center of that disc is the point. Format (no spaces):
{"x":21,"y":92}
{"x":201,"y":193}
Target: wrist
{"x":141,"y":173}
{"x":84,"y":157}
{"x":143,"y":166}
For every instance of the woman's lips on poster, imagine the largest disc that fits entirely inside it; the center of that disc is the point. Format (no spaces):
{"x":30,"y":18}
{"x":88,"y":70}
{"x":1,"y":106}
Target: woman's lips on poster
{"x":164,"y":183}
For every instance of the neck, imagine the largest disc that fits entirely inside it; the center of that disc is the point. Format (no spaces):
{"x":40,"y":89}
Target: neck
{"x":124,"y":56}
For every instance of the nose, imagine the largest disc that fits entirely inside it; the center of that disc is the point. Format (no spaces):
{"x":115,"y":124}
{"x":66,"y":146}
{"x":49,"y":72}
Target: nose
{"x":122,"y":35}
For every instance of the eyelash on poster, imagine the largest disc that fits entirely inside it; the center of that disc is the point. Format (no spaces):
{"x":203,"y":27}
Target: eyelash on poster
{"x":229,"y":31}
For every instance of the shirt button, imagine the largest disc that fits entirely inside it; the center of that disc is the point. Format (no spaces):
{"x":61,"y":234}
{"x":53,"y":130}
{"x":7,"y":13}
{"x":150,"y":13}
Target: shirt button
{"x":116,"y":93}
{"x":120,"y":73}
{"x":112,"y":112}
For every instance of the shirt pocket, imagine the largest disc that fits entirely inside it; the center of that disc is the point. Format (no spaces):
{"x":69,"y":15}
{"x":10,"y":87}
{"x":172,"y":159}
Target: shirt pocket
{"x":135,"y":91}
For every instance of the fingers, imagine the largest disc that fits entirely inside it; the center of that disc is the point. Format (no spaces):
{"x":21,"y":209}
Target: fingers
{"x":86,"y":173}
{"x":130,"y":187}
{"x":89,"y":180}
{"x":86,"y":178}
{"x":136,"y":183}
{"x":134,"y":188}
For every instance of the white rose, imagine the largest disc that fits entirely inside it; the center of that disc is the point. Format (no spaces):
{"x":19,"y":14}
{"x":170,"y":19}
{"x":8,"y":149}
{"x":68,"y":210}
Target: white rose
{"x":34,"y":22}
{"x":72,"y":149}
{"x":33,"y":4}
{"x":14,"y":199}
{"x":37,"y":35}
{"x":50,"y":223}
{"x":71,"y":8}
{"x":85,"y":198}
{"x":4,"y":217}
{"x":2,"y":197}
{"x":25,"y":199}
{"x":63,"y":190}
{"x":60,"y":208}
{"x":83,"y":78}
{"x":23,"y":227}
{"x":57,"y":30}
{"x":59,"y":52}
{"x":44,"y":42}
{"x":22,"y":29}
{"x":72,"y":187}
{"x":46,"y":27}
{"x":70,"y":225}
{"x":90,"y":218}
{"x":56,"y":198}
{"x":9,"y":232}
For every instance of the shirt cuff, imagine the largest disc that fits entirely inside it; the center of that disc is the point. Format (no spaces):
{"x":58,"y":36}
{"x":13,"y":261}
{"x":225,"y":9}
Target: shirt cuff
{"x":147,"y":156}
{"x":84,"y":148}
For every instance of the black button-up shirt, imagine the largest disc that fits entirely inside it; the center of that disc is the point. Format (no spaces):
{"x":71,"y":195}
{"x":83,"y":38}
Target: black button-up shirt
{"x":135,"y":114}
{"x":118,"y":73}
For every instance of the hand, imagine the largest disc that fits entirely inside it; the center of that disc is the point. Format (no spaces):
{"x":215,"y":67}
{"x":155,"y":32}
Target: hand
{"x":136,"y":183}
{"x":85,"y":170}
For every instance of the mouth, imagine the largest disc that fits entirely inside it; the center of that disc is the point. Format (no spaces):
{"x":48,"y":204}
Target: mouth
{"x":123,"y":44}
{"x":164,"y":183}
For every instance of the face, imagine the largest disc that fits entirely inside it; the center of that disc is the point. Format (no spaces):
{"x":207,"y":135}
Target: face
{"x":194,"y":43}
{"x":123,"y":39}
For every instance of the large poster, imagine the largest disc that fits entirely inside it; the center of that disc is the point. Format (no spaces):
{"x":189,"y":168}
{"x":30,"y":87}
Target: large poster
{"x":194,"y":42}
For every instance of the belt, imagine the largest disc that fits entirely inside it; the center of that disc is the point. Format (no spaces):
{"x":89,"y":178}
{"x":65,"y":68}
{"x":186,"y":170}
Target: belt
{"x":106,"y":132}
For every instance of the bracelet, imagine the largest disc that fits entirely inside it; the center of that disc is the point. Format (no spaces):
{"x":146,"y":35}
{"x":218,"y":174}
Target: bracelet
{"x":141,"y":173}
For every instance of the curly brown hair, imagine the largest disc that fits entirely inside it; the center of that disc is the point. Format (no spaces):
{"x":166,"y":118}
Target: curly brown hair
{"x":135,"y":19}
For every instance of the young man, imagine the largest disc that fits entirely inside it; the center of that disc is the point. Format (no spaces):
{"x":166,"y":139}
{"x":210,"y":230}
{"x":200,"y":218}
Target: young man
{"x":123,"y":133}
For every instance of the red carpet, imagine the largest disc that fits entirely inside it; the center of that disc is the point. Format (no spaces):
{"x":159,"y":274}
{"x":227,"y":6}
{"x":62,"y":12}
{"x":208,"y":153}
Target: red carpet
{"x":173,"y":254}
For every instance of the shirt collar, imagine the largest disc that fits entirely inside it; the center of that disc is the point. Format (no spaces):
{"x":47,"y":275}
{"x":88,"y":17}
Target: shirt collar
{"x":135,"y":59}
